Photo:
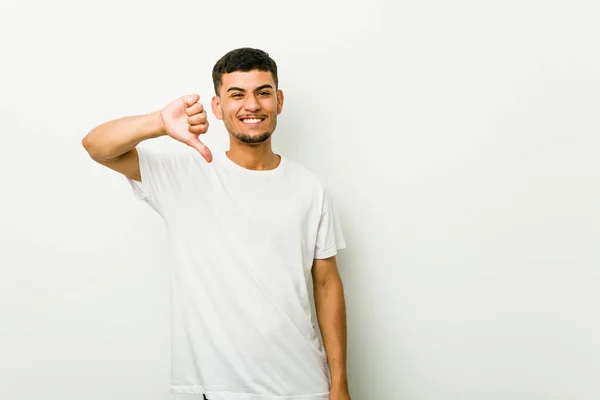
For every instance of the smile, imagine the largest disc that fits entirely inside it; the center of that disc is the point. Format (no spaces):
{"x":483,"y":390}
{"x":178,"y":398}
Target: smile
{"x":251,"y":120}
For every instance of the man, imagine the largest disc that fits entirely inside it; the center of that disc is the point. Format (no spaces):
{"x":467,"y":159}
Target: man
{"x":247,"y":227}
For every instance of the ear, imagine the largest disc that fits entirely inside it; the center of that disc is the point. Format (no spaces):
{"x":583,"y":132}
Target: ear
{"x":216,"y":107}
{"x":279,"y":101}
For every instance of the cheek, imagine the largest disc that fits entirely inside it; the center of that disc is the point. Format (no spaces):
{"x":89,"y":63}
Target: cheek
{"x":269,"y":106}
{"x":229,"y":113}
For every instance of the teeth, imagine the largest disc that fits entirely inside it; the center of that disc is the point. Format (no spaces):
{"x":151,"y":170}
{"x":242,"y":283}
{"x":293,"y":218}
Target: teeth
{"x":252,"y":121}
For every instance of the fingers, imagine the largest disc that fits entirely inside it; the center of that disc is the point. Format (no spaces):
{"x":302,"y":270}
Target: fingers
{"x":198,"y":123}
{"x":198,"y":119}
{"x":189,"y":100}
{"x":194,"y":109}
{"x":202,"y":149}
{"x":198,"y":129}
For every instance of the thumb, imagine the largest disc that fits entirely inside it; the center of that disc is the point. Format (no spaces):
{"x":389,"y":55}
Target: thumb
{"x":201,"y":148}
{"x":190,"y":99}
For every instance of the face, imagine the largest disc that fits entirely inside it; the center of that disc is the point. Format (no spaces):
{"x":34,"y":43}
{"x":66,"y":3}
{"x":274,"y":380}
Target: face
{"x":248,"y":104}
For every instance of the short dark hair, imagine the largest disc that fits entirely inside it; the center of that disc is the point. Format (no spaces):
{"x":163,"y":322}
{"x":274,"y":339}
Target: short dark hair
{"x":243,"y":59}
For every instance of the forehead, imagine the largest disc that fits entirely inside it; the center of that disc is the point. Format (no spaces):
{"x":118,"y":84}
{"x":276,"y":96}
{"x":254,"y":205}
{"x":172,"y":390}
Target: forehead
{"x":247,"y":80}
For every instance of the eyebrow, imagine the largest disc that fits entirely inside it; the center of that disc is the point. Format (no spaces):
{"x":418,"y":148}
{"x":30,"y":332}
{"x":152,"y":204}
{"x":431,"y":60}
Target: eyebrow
{"x":257,"y":89}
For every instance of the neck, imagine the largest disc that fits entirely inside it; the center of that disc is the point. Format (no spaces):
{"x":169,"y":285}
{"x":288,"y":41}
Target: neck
{"x":257,"y":156}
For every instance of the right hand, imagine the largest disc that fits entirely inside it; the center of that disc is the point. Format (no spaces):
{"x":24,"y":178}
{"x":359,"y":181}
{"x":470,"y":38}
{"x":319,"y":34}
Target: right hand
{"x":184,"y":120}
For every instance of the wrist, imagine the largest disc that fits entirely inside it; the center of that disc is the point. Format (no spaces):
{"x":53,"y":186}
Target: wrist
{"x":157,"y":124}
{"x":340,"y":380}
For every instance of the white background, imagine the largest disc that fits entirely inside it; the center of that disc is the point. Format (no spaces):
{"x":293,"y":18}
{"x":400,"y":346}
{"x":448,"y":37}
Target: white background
{"x":459,"y":140}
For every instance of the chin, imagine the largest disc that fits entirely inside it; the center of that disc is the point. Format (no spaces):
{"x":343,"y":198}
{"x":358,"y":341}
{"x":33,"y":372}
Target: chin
{"x":252,"y":138}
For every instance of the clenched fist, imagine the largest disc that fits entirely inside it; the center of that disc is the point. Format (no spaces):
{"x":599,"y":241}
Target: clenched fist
{"x":184,"y":120}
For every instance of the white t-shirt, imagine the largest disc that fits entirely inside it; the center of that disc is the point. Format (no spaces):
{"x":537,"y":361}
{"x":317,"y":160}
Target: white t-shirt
{"x":243,"y":243}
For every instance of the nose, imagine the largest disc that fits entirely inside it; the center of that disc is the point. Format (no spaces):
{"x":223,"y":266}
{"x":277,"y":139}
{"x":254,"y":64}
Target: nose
{"x":251,"y":104}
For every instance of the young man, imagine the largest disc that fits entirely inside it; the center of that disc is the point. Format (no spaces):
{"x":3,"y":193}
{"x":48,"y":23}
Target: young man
{"x":248,"y":227}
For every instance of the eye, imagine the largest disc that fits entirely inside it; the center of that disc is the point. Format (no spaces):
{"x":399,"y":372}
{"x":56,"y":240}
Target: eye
{"x":236,"y":95}
{"x":265,"y":93}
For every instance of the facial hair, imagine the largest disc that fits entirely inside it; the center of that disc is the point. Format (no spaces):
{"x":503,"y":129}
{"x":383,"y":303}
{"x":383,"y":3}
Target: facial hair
{"x":245,"y":138}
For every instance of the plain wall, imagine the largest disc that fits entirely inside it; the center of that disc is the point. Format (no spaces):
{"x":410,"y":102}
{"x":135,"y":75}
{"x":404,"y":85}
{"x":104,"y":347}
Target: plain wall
{"x":459,"y":140}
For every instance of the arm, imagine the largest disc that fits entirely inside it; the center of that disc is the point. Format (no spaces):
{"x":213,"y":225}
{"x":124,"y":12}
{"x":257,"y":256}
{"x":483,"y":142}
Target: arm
{"x":113,"y":143}
{"x":114,"y":138}
{"x":331,"y":315}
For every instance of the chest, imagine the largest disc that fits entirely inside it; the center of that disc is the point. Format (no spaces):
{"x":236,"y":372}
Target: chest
{"x":251,"y":212}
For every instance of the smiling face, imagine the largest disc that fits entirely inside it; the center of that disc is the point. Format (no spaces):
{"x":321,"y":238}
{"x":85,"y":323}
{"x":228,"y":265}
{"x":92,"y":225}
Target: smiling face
{"x":248,"y":103}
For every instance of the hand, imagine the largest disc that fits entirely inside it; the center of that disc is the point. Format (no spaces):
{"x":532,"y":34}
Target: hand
{"x":184,"y":120}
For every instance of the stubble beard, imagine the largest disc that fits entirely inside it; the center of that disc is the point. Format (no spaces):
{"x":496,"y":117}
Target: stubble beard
{"x":245,"y":138}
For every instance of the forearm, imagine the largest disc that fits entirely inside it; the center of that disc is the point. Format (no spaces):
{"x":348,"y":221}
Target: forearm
{"x":114,"y":138}
{"x":331,"y":315}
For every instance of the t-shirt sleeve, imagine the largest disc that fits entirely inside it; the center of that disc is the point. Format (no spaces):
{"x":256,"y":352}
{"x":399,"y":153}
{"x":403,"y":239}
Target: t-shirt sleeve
{"x":162,"y":176}
{"x":330,"y":237}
